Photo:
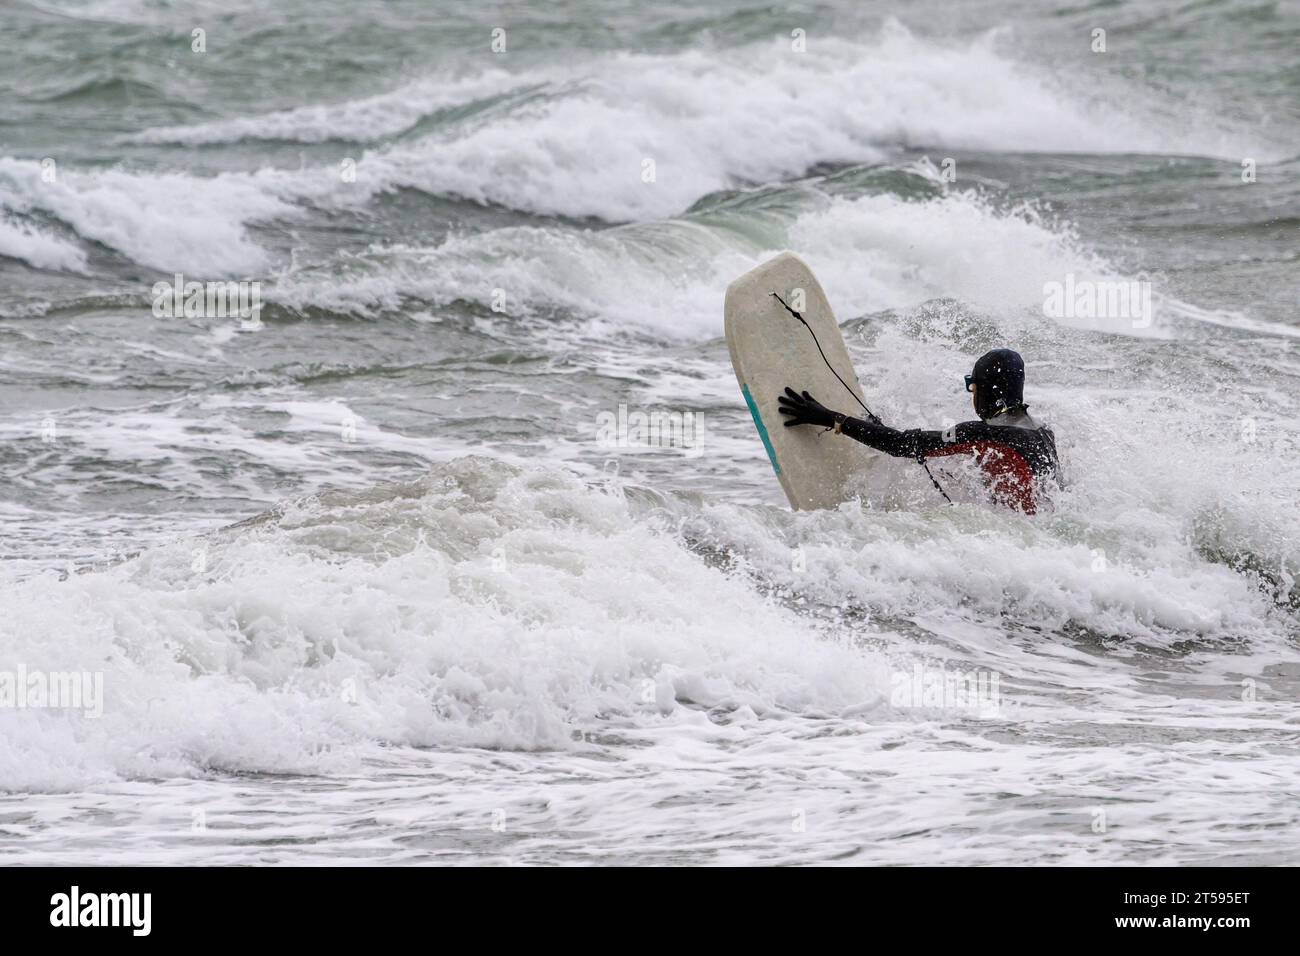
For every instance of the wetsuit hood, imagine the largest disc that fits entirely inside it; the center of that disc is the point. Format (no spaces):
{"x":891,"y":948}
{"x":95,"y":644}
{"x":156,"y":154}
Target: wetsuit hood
{"x":1000,"y":377}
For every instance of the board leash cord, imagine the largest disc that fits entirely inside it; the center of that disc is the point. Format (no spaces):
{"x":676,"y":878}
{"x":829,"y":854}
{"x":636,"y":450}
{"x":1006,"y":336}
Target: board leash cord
{"x":920,"y":460}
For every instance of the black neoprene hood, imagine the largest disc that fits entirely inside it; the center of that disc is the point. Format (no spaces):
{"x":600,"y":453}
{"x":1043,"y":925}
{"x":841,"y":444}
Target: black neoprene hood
{"x":1000,"y":375}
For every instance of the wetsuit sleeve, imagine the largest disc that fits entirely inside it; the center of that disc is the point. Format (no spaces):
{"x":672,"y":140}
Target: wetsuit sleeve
{"x":912,"y":443}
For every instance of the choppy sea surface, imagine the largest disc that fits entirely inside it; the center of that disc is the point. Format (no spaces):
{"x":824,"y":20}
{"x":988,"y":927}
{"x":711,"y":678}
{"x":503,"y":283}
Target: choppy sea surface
{"x":360,"y":582}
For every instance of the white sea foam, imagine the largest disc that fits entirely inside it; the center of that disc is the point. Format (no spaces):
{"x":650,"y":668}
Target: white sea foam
{"x":707,"y":120}
{"x":573,"y":633}
{"x":164,"y":220}
{"x":575,"y":140}
{"x":37,"y":247}
{"x":877,"y":252}
{"x":449,"y":614}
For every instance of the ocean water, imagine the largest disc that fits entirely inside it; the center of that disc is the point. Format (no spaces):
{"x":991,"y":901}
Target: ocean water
{"x":361,"y":582}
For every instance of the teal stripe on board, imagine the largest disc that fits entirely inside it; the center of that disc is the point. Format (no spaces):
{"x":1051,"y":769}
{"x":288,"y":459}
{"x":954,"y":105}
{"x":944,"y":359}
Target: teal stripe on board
{"x":762,"y":429}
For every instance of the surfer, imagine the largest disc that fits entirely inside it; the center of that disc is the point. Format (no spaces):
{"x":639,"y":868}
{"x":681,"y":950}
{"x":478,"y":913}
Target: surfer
{"x":1014,"y":452}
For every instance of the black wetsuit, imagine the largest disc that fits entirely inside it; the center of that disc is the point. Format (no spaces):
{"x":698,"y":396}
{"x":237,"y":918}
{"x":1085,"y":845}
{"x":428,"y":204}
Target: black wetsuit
{"x":1014,"y":451}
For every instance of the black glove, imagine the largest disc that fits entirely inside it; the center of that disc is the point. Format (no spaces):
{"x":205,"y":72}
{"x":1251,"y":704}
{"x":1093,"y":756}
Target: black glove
{"x":806,"y":410}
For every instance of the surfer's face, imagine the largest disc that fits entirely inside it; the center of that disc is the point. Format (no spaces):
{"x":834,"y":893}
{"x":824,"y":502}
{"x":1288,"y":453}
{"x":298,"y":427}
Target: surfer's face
{"x":974,"y":398}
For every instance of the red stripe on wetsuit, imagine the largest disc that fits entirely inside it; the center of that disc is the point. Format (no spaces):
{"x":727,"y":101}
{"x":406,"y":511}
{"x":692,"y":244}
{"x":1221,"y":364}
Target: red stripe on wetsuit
{"x":1011,"y":480}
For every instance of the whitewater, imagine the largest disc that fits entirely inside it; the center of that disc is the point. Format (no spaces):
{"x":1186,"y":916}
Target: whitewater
{"x":362,"y":583}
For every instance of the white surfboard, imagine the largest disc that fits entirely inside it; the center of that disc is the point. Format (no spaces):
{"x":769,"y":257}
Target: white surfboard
{"x":771,"y":349}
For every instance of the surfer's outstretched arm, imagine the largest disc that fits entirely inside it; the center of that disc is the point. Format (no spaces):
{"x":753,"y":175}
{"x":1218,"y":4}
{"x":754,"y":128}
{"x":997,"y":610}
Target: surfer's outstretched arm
{"x":806,"y":410}
{"x":912,"y":443}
